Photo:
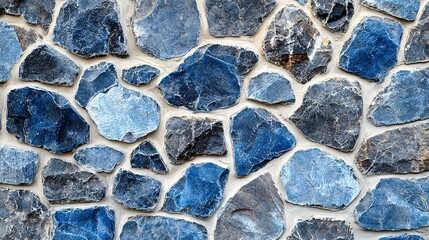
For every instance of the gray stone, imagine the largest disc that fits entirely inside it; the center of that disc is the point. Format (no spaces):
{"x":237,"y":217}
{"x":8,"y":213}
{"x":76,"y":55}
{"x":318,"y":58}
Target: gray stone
{"x":17,"y":166}
{"x":146,"y":156}
{"x":26,"y":37}
{"x":322,"y":228}
{"x":417,"y":47}
{"x":99,"y":158}
{"x":335,"y":15}
{"x":270,"y":88}
{"x":139,"y":75}
{"x":10,"y":50}
{"x":398,"y":8}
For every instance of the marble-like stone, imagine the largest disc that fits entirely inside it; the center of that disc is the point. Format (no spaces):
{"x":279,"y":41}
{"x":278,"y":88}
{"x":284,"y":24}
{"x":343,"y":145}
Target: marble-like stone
{"x":335,"y":15}
{"x":10,"y":50}
{"x":64,"y":182}
{"x":146,"y":156}
{"x":90,"y":28}
{"x":257,"y":138}
{"x":199,"y":192}
{"x":270,"y":88}
{"x":17,"y":166}
{"x":45,"y":119}
{"x":331,"y":114}
{"x":372,"y":49}
{"x":303,"y":2}
{"x":99,"y":158}
{"x":256,"y":211}
{"x":403,"y":237}
{"x":294,"y":43}
{"x":139,"y":75}
{"x":322,"y":228}
{"x":45,"y":64}
{"x":26,"y":37}
{"x":398,"y":8}
{"x":417,"y":47}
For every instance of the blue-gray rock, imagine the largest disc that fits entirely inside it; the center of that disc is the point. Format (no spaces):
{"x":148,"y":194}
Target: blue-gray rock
{"x":372,"y":49}
{"x":123,"y":114}
{"x":96,"y":223}
{"x":257,"y":138}
{"x":398,"y":8}
{"x":22,"y":215}
{"x":403,"y":237}
{"x":199,"y":192}
{"x":334,"y":15}
{"x":99,"y":158}
{"x":303,"y":2}
{"x":237,"y":18}
{"x":187,"y":138}
{"x":90,"y":28}
{"x":17,"y":166}
{"x":45,"y":119}
{"x":64,"y":182}
{"x":321,"y":228}
{"x":417,"y":47}
{"x":256,"y":211}
{"x":317,"y":179}
{"x":139,"y":75}
{"x":331,"y":114}
{"x":294,"y":43}
{"x":136,"y":191}
{"x":47,"y":65}
{"x":146,"y":156}
{"x":10,"y":50}
{"x":270,"y":88}
{"x":166,"y":29}
{"x":159,"y":227}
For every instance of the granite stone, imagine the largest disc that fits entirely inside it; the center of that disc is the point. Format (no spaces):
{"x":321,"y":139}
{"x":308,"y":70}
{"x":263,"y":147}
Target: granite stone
{"x":99,"y":158}
{"x":139,"y":75}
{"x":17,"y":166}
{"x":335,"y":15}
{"x":403,"y":237}
{"x":146,"y":156}
{"x":417,"y":47}
{"x":406,"y":10}
{"x":322,"y":228}
{"x":270,"y":88}
{"x":10,"y":50}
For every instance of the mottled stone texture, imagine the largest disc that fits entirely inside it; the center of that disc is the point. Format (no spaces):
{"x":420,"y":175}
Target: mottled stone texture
{"x":139,"y":75}
{"x":322,"y":228}
{"x":270,"y":88}
{"x":10,"y":50}
{"x":417,"y":47}
{"x":335,"y":15}
{"x":17,"y":166}
{"x":26,"y":37}
{"x":99,"y":158}
{"x":146,"y":156}
{"x":398,"y":8}
{"x":403,"y":237}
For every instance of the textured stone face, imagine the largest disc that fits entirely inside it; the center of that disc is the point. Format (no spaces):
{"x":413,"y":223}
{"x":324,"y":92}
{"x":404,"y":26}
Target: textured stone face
{"x":322,"y":228}
{"x":236,"y":18}
{"x":403,"y":237}
{"x":331,"y":114}
{"x":270,"y":88}
{"x":401,"y":9}
{"x":10,"y":50}
{"x":166,"y":29}
{"x":45,"y":119}
{"x":139,"y":75}
{"x":256,"y":211}
{"x":335,"y":15}
{"x":17,"y":166}
{"x":295,"y":44}
{"x":146,"y":156}
{"x":257,"y":138}
{"x":417,"y":49}
{"x":26,"y":37}
{"x":303,"y":2}
{"x":99,"y":158}
{"x":194,"y":87}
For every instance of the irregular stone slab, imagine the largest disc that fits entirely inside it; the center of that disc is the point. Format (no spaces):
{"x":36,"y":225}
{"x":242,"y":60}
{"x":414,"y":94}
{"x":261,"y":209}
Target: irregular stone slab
{"x":334,"y":15}
{"x":17,"y":166}
{"x":159,"y":227}
{"x":64,"y":182}
{"x":193,"y":87}
{"x":256,"y":211}
{"x":47,"y":65}
{"x":237,"y":18}
{"x":401,"y":9}
{"x":303,"y":2}
{"x":140,"y":75}
{"x":90,"y":28}
{"x":123,"y":114}
{"x":293,"y":43}
{"x":22,"y":215}
{"x":403,"y":237}
{"x":187,"y":138}
{"x":45,"y":119}
{"x":174,"y":27}
{"x":10,"y":50}
{"x":99,"y":158}
{"x":89,"y":223}
{"x":395,"y":204}
{"x":331,"y":114}
{"x":146,"y":156}
{"x":372,"y":61}
{"x":26,"y":37}
{"x":417,"y":49}
{"x":270,"y":88}
{"x":199,"y":192}
{"x":136,"y":191}
{"x":257,"y":138}
{"x":317,"y":179}
{"x":322,"y":228}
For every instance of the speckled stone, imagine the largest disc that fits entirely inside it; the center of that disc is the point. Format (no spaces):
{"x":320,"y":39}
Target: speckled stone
{"x":139,"y":75}
{"x":17,"y":166}
{"x":10,"y":50}
{"x":146,"y":156}
{"x":322,"y":228}
{"x":335,"y":15}
{"x":403,"y":237}
{"x":26,"y":37}
{"x":398,"y":8}
{"x":99,"y":158}
{"x":270,"y":88}
{"x":417,"y":47}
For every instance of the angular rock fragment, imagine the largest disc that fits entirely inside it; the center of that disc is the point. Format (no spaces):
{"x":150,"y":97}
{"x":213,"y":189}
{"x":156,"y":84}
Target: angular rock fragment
{"x":140,"y":75}
{"x":331,"y":114}
{"x":199,"y":192}
{"x":209,"y":79}
{"x":295,"y":44}
{"x":256,"y":211}
{"x":65,"y":182}
{"x":26,"y":37}
{"x":257,"y":138}
{"x":417,"y":47}
{"x":270,"y":88}
{"x":303,"y":2}
{"x":398,"y":8}
{"x":335,"y":15}
{"x":10,"y":50}
{"x":322,"y":228}
{"x":146,"y":156}
{"x":17,"y":166}
{"x":45,"y":119}
{"x":99,"y":158}
{"x":403,"y":237}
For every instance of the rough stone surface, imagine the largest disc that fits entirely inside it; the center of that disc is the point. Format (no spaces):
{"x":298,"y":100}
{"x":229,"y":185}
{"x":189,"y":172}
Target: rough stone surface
{"x":417,"y":47}
{"x":45,"y":119}
{"x":303,"y":2}
{"x":65,"y":182}
{"x":403,"y":237}
{"x":398,"y":8}
{"x":193,"y":87}
{"x":256,"y":211}
{"x":334,"y":15}
{"x":99,"y":158}
{"x":331,"y":114}
{"x":17,"y":166}
{"x":270,"y":88}
{"x":146,"y":156}
{"x":139,"y":75}
{"x":322,"y":228}
{"x":26,"y":37}
{"x":294,"y":43}
{"x":257,"y":138}
{"x":199,"y":192}
{"x":10,"y":50}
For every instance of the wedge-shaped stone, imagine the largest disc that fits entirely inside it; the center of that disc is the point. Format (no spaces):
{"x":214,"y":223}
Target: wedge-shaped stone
{"x":398,"y":8}
{"x":10,"y":50}
{"x":335,"y":15}
{"x":26,"y":37}
{"x":270,"y":88}
{"x":322,"y":228}
{"x":99,"y":158}
{"x":139,"y":75}
{"x":17,"y":166}
{"x":417,"y":47}
{"x":146,"y":156}
{"x":403,"y":237}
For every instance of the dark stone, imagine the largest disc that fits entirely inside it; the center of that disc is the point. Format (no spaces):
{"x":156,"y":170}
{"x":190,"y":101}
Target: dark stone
{"x":256,"y":211}
{"x":64,"y":182}
{"x":293,"y":43}
{"x":194,"y":87}
{"x":417,"y":47}
{"x":398,"y":8}
{"x":322,"y":228}
{"x":99,"y":158}
{"x":403,"y":237}
{"x":199,"y":192}
{"x":270,"y":88}
{"x":10,"y":50}
{"x":17,"y":166}
{"x":45,"y":119}
{"x":331,"y":114}
{"x":334,"y":15}
{"x":146,"y":156}
{"x":26,"y":37}
{"x":257,"y":138}
{"x":139,"y":75}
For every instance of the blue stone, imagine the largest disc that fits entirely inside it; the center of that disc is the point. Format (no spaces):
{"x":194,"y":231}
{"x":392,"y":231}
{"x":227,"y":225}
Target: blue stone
{"x":270,"y":88}
{"x":303,"y":2}
{"x":403,"y":237}
{"x":10,"y":50}
{"x":139,"y":75}
{"x":322,"y":229}
{"x":398,"y":8}
{"x":90,"y":223}
{"x":136,"y":191}
{"x":17,"y":166}
{"x":146,"y":156}
{"x":416,"y":48}
{"x":45,"y":119}
{"x":99,"y":158}
{"x":199,"y":192}
{"x":372,"y":49}
{"x":317,"y":179}
{"x":257,"y":138}
{"x":209,"y":79}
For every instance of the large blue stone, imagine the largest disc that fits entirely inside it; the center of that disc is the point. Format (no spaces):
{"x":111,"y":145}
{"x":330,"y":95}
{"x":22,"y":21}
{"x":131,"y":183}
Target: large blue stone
{"x":270,"y":88}
{"x":403,"y":237}
{"x":146,"y":156}
{"x":10,"y":50}
{"x":398,"y":8}
{"x":99,"y":158}
{"x":139,"y":75}
{"x":17,"y":166}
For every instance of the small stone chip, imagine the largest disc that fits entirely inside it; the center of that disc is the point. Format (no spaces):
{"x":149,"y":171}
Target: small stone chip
{"x":146,"y":156}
